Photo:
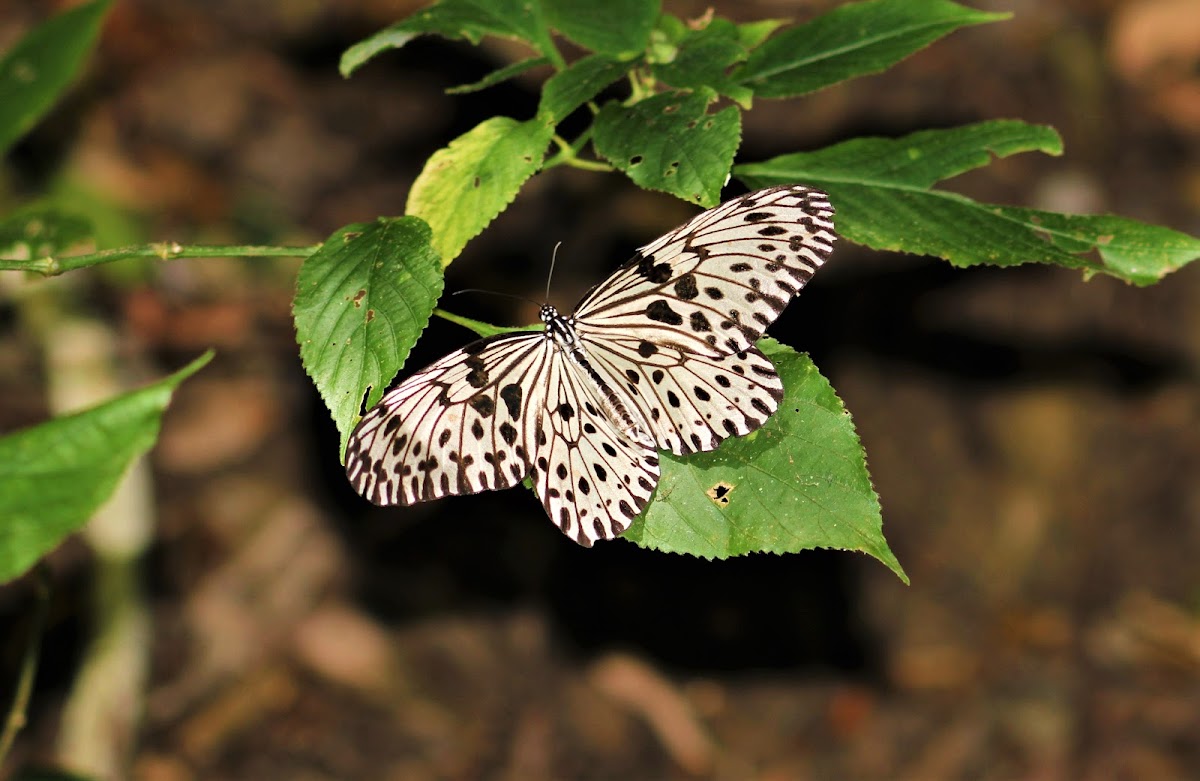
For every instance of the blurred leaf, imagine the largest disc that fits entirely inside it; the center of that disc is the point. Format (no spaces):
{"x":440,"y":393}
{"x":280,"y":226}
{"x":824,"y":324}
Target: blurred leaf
{"x":851,"y":40}
{"x":362,"y":301}
{"x":752,"y":34}
{"x":35,"y":72}
{"x":41,"y":232}
{"x":48,"y":774}
{"x":573,"y":86}
{"x":498,"y":76}
{"x":670,"y":142}
{"x":466,"y":184}
{"x":469,"y":20}
{"x":702,"y":58}
{"x":880,"y":189}
{"x":613,"y":27}
{"x":799,"y":482}
{"x":58,"y":473}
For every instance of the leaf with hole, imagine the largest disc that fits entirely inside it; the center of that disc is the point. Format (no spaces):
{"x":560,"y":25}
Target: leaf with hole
{"x":361,"y":303}
{"x":670,"y":142}
{"x":799,"y":482}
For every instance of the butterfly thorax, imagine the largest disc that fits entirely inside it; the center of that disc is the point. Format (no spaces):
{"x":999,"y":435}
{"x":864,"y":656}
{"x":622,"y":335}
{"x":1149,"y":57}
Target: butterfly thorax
{"x":562,"y":331}
{"x":559,"y":328}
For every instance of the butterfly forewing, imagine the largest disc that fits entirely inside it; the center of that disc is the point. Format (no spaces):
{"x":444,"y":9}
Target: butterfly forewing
{"x":713,"y":285}
{"x":659,"y":355}
{"x":458,"y":426}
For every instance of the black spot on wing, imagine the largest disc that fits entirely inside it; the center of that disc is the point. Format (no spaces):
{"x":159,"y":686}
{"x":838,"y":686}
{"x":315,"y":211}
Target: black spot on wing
{"x":646,"y":349}
{"x":699,"y":322}
{"x":484,"y":405}
{"x":686,"y":288}
{"x":662,"y":312}
{"x":478,"y":376}
{"x":657,"y":273}
{"x":511,"y":395}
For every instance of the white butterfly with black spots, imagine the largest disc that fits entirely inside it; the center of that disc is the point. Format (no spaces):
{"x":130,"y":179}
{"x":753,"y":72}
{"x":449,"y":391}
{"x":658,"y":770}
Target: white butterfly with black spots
{"x":659,"y":356}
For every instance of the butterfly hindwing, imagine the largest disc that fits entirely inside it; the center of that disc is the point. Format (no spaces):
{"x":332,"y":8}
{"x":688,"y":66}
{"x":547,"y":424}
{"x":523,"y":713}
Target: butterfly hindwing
{"x":691,"y":402}
{"x":592,"y":479}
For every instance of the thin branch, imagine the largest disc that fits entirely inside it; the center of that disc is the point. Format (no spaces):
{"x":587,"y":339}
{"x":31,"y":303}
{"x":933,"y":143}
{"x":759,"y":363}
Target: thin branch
{"x":16,"y":713}
{"x":167,"y":250}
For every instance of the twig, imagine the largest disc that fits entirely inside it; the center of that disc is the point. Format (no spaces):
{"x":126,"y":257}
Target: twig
{"x":16,"y":713}
{"x":167,"y":250}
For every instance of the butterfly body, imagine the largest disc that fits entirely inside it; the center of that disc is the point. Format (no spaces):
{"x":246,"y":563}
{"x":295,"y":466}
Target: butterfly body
{"x":658,"y":356}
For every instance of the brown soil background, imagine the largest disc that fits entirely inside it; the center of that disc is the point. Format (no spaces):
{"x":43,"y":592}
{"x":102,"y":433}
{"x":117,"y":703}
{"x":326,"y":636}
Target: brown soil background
{"x":1033,"y":437}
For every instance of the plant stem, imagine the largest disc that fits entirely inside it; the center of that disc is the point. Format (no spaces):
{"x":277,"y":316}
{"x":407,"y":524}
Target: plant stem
{"x":165,"y":250}
{"x":569,"y":155}
{"x":16,"y":713}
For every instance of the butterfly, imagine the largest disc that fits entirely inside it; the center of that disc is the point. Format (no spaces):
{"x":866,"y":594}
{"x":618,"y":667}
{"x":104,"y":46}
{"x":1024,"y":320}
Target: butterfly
{"x":659,"y":356}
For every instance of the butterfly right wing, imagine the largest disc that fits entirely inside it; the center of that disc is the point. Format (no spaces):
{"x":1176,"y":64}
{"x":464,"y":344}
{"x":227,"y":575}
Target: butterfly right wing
{"x":690,"y":402}
{"x":462,"y":425}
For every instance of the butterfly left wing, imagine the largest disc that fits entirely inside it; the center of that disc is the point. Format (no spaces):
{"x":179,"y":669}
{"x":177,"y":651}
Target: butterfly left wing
{"x":713,"y":285}
{"x":459,"y":426}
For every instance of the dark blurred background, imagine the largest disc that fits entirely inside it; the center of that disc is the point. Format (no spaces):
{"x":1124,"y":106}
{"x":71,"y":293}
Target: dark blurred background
{"x":1032,"y":435}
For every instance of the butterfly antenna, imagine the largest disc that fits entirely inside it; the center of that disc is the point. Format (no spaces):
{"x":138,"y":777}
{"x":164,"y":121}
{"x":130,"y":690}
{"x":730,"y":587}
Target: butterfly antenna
{"x":494,"y":293}
{"x":550,"y":276}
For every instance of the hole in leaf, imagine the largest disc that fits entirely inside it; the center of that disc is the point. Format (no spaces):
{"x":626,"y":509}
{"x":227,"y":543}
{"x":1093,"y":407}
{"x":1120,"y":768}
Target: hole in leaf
{"x":635,"y":160}
{"x":719,"y":493}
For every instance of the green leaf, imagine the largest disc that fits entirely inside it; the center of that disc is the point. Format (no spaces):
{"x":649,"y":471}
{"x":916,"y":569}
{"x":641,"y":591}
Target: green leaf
{"x":880,"y":189}
{"x":852,"y":40}
{"x":752,"y":34}
{"x":583,"y":80}
{"x":35,"y":72}
{"x":58,"y":473}
{"x":362,"y":301}
{"x":41,"y":232}
{"x":485,"y":329}
{"x":702,"y":58}
{"x":465,"y":185}
{"x":616,"y":27}
{"x":467,"y":20}
{"x":670,"y":142}
{"x":498,"y":76}
{"x":799,"y":482}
